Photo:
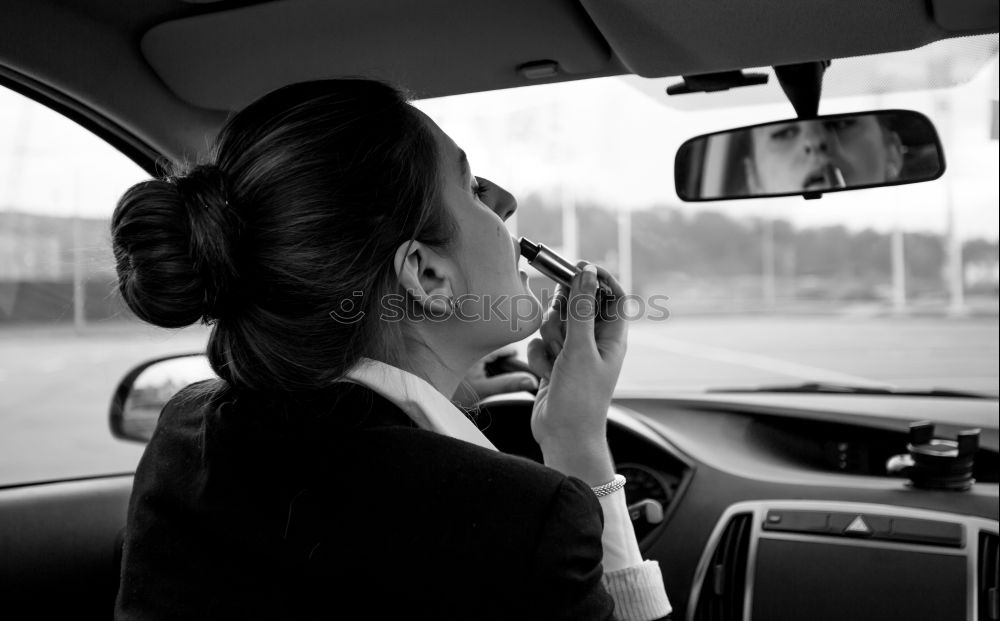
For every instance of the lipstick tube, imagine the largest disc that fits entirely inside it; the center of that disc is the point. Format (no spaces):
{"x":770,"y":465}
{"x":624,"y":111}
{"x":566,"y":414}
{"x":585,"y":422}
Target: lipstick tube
{"x":838,"y":177}
{"x":546,"y":261}
{"x":543,"y":259}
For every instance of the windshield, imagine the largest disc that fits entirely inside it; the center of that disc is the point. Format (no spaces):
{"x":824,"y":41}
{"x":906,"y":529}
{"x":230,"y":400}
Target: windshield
{"x":883,"y":287}
{"x":895,"y":286}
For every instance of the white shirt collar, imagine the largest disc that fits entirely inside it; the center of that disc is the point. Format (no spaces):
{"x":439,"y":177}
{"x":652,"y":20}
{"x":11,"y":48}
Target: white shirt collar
{"x":423,"y":403}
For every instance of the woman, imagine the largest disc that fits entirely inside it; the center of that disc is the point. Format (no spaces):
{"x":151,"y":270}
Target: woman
{"x":352,"y":268}
{"x":814,"y":155}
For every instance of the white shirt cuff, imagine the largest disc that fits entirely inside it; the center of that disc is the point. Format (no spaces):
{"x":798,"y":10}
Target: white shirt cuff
{"x":638,"y":592}
{"x":636,"y":586}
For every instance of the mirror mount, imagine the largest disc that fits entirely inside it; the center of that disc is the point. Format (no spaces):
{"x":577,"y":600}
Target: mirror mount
{"x":714,"y":82}
{"x":803,"y":84}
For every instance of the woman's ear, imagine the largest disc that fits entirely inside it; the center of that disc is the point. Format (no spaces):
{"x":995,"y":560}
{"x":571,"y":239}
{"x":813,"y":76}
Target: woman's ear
{"x":426,"y":277}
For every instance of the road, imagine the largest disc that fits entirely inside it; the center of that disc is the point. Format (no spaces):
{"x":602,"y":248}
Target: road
{"x":56,"y":383}
{"x":725,"y":351}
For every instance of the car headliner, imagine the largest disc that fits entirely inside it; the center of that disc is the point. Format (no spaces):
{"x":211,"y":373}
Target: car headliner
{"x":158,"y":77}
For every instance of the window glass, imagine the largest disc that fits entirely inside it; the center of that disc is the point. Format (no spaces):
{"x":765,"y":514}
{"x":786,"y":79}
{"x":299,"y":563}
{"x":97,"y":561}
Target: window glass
{"x":895,"y":286}
{"x":66,"y":338}
{"x":892,"y":286}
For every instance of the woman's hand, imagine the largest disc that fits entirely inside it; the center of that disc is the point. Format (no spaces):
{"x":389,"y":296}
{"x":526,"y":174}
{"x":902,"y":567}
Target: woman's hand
{"x":578,"y":358}
{"x":477,"y":385}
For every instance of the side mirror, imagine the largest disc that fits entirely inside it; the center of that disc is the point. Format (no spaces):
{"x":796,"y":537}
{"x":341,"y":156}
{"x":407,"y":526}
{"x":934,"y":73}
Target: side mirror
{"x":144,"y":391}
{"x":810,"y":157}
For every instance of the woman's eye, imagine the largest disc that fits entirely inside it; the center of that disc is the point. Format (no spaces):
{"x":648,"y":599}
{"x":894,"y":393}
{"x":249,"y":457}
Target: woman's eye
{"x":841,"y":125}
{"x":786,"y":133}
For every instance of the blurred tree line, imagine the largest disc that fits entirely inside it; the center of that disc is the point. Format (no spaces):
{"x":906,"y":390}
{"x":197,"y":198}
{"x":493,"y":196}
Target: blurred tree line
{"x":703,"y":259}
{"x":668,"y":242}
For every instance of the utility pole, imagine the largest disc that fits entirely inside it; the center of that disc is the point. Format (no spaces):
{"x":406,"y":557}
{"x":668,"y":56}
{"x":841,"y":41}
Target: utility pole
{"x":898,"y":272}
{"x":79,"y":284}
{"x":79,"y":257}
{"x":570,"y":230}
{"x":625,"y":249}
{"x":953,"y":270}
{"x":791,"y":269}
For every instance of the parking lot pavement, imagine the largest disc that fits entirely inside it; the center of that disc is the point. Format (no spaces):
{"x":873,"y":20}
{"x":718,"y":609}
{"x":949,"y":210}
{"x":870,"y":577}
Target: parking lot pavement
{"x":697,"y":352}
{"x":56,"y":383}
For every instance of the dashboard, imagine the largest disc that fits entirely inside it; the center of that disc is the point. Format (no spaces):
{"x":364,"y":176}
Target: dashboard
{"x":780,"y":506}
{"x":768,"y":507}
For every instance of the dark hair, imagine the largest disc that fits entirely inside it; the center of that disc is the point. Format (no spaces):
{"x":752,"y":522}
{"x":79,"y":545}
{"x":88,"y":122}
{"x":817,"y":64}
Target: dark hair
{"x":312,"y":189}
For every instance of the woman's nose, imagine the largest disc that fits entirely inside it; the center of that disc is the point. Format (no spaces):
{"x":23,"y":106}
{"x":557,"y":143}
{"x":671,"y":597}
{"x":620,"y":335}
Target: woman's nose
{"x":815,"y":138}
{"x":502,"y":201}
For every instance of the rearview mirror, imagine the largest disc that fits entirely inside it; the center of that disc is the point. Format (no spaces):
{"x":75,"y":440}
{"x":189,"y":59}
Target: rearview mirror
{"x":144,"y":391}
{"x":810,"y":157}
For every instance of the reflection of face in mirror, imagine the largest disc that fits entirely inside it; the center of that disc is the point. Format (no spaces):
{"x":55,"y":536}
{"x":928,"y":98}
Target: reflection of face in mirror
{"x":867,"y":149}
{"x":822,"y":155}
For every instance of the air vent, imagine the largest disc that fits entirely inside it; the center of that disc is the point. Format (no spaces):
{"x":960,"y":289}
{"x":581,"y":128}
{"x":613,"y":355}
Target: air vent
{"x":724,"y":587}
{"x":989,"y":577}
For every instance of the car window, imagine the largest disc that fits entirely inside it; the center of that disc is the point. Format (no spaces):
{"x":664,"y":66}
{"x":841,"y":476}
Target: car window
{"x":892,"y":286}
{"x":65,"y":337}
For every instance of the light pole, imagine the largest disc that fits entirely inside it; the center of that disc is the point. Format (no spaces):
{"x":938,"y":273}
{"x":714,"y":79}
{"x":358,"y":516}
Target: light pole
{"x":625,"y":249}
{"x":953,"y":275}
{"x":898,"y":272}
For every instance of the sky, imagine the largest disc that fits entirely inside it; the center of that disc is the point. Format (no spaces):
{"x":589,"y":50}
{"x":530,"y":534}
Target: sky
{"x":609,"y":140}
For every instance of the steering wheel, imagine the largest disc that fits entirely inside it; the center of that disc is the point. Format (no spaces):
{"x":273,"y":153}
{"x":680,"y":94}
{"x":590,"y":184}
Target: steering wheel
{"x":506,"y":419}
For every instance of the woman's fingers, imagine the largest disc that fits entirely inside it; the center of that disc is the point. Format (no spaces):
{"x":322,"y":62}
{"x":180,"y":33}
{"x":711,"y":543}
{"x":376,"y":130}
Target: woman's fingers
{"x":576,"y":308}
{"x":609,"y":283}
{"x":504,"y":383}
{"x":540,"y":358}
{"x":611,"y":331}
{"x":553,"y":324}
{"x":582,"y":307}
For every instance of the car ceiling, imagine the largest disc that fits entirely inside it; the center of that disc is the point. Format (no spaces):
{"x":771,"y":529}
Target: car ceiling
{"x":161,"y":75}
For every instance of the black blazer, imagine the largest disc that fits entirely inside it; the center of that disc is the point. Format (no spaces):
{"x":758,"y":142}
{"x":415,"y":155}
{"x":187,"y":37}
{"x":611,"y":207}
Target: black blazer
{"x":246,"y":508}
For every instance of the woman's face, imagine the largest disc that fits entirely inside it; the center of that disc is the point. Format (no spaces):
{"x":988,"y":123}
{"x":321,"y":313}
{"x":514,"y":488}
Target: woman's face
{"x":494,"y":305}
{"x":808,"y":155}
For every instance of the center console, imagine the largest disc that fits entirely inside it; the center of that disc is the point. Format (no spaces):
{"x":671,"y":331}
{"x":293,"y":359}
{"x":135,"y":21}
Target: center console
{"x":786,"y":560}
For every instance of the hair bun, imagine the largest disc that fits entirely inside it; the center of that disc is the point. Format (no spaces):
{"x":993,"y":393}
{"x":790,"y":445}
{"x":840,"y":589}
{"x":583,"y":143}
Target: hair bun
{"x":215,"y":230}
{"x":175,"y":245}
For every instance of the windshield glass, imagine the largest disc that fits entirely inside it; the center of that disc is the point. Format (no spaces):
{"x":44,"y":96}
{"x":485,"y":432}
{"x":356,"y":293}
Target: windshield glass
{"x":895,"y":286}
{"x":66,"y":339}
{"x":882,"y":287}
